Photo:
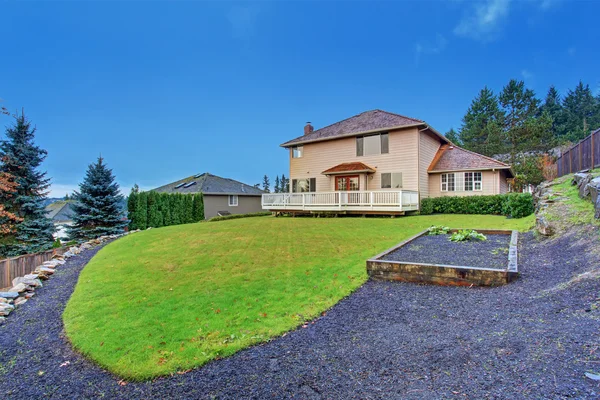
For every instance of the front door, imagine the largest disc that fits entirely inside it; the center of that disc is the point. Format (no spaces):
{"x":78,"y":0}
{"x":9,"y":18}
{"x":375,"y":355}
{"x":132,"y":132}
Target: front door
{"x":347,"y":182}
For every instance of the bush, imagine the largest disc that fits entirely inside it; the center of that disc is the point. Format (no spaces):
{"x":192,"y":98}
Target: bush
{"x":236,"y":216}
{"x":57,"y":244}
{"x":515,"y":205}
{"x":518,"y":205}
{"x":467,"y":234}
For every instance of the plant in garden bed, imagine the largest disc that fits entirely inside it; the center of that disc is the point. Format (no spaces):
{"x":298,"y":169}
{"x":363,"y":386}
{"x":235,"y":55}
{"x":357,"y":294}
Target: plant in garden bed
{"x":438,"y":230}
{"x":467,"y":234}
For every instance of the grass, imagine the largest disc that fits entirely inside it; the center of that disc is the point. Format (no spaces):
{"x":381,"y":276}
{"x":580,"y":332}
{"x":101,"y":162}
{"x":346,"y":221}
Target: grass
{"x":174,"y":298}
{"x":576,"y":210}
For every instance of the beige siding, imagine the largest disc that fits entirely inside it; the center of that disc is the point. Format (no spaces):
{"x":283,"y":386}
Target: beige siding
{"x":428,"y":147}
{"x":402,"y":157}
{"x":490,"y":185}
{"x":215,"y":203}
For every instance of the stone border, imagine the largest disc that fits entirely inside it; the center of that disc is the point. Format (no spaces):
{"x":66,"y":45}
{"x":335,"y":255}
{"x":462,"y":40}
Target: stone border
{"x":24,"y":287}
{"x":448,"y":275}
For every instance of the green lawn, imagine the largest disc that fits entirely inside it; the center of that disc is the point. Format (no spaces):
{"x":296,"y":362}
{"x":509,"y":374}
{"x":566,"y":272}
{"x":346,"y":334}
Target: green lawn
{"x":173,"y":298}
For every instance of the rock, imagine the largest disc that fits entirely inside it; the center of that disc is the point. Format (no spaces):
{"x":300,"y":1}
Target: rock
{"x":9,"y":295}
{"x":19,"y":288}
{"x":74,"y":250}
{"x":597,"y":207}
{"x":594,"y":188}
{"x":85,"y":246}
{"x":29,"y":282}
{"x":31,"y":276}
{"x":68,"y":254}
{"x":29,"y":295}
{"x":594,"y":377}
{"x":543,"y":226}
{"x":46,"y":271}
{"x":3,"y":300}
{"x":51,"y":264}
{"x":20,"y":300}
{"x":6,"y":309}
{"x":582,"y":182}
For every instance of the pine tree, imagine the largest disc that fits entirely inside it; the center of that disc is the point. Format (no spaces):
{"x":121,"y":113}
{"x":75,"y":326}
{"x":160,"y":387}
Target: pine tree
{"x":481,"y":129}
{"x":284,"y":184}
{"x":523,"y":129}
{"x":581,"y":112}
{"x":553,"y":107}
{"x":166,"y":209}
{"x":277,"y":187}
{"x":188,"y":208}
{"x":453,"y":136}
{"x":21,"y":158}
{"x":198,"y":207}
{"x":8,"y":189}
{"x":265,"y":184}
{"x":155,"y":218}
{"x":97,"y":207}
{"x":131,"y":204}
{"x":174,"y":204}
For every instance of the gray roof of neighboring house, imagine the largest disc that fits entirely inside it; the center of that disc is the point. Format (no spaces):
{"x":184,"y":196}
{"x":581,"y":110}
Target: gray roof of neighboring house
{"x":60,"y":210}
{"x":364,"y":122}
{"x":209,"y":184}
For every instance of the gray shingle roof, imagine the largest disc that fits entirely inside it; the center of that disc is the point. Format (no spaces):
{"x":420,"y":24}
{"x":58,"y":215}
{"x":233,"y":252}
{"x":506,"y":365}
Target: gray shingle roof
{"x":209,"y":184}
{"x":60,"y":210}
{"x":454,"y":158}
{"x":363,"y":122}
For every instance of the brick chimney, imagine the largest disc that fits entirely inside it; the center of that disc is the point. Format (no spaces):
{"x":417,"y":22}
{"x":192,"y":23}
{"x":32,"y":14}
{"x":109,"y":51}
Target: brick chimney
{"x":308,"y":128}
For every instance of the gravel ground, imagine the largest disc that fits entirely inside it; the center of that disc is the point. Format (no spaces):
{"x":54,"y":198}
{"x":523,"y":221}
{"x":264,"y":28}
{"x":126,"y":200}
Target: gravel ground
{"x":438,"y":249}
{"x":532,"y":339}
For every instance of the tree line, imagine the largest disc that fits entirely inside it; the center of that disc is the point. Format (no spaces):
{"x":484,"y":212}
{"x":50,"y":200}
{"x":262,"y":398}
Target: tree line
{"x":153,"y":210}
{"x":282,"y":185}
{"x":518,"y":127}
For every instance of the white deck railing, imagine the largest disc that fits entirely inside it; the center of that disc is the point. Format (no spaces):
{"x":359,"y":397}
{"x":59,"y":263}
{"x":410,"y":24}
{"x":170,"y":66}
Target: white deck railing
{"x":402,"y":200}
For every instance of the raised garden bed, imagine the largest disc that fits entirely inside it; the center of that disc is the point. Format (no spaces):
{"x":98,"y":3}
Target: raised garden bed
{"x":435,"y":259}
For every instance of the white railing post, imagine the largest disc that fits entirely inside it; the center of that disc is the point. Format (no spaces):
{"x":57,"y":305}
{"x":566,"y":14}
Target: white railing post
{"x":303,"y":202}
{"x":340,"y":200}
{"x":371,"y":198}
{"x":400,"y":195}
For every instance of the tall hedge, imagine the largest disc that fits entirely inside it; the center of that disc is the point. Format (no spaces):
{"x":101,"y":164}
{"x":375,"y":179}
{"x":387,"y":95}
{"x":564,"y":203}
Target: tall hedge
{"x":152,"y":209}
{"x":514,"y":205}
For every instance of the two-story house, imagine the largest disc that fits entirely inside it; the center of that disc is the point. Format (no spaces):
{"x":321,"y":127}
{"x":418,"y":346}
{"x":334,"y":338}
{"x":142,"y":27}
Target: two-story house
{"x":381,"y":162}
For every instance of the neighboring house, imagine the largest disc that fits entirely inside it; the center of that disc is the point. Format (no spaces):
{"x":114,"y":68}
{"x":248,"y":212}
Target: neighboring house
{"x":381,"y":162}
{"x":222,"y":196}
{"x":61,"y":214}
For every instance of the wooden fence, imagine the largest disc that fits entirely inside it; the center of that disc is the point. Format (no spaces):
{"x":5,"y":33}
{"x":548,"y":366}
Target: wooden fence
{"x":584,"y":155}
{"x":11,"y":268}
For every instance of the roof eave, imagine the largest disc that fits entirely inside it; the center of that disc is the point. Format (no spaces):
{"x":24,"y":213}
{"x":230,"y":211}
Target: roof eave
{"x":391,"y":128}
{"x":362,"y":171}
{"x":469,"y":169}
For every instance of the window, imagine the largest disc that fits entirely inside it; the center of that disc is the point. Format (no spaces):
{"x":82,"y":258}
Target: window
{"x":187,"y":185}
{"x":391,"y":180}
{"x":297,"y":151}
{"x":304,"y":185}
{"x":233,"y":200}
{"x":372,"y":145}
{"x":461,"y":181}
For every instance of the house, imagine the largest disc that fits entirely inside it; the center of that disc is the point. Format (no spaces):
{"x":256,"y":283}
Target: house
{"x":61,"y":213}
{"x":222,"y":196}
{"x":381,"y":162}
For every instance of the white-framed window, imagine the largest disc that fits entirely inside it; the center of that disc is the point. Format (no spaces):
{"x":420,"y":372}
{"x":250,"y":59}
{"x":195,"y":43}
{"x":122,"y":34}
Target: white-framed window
{"x":297,"y":151}
{"x":372,"y":144}
{"x":233,"y":200}
{"x":462,"y":182}
{"x":391,"y":180}
{"x":304,"y":185}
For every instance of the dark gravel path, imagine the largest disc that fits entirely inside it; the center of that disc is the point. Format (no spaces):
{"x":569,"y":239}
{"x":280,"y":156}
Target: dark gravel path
{"x":532,"y":339}
{"x":438,"y":249}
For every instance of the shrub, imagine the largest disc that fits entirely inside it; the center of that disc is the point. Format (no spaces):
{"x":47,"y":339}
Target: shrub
{"x":57,"y":244}
{"x":515,"y":205}
{"x":438,"y":230}
{"x":518,"y":205}
{"x":236,"y":216}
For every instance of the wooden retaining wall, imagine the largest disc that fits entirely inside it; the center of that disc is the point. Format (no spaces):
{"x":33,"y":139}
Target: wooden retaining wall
{"x":11,"y":268}
{"x":584,"y":155}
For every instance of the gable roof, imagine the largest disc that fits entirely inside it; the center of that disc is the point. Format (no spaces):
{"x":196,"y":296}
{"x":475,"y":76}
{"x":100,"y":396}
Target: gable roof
{"x":209,"y":184}
{"x":368,"y":121}
{"x":453,"y":158}
{"x":60,"y":210}
{"x":348,"y":167}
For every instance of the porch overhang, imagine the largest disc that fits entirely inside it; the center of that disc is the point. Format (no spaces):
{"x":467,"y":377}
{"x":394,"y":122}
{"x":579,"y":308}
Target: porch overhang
{"x":349,"y":168}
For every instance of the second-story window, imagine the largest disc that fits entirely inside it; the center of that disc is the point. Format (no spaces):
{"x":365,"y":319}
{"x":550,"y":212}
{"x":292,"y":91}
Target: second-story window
{"x":372,"y":144}
{"x":297,"y":151}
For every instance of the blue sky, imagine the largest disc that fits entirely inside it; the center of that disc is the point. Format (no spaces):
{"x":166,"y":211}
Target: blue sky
{"x":164,"y":90}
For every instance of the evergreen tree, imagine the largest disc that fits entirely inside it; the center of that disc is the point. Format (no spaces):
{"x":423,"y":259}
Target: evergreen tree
{"x":453,"y":136}
{"x":20,"y":159}
{"x":140,"y":216}
{"x":284,"y":184}
{"x":155,"y":218}
{"x":198,"y":207}
{"x":188,"y":208}
{"x":97,"y":210}
{"x":580,"y":112}
{"x":174,"y":204}
{"x":166,"y":209}
{"x":8,"y":189}
{"x":481,"y":129}
{"x":277,"y":187}
{"x":265,"y":184}
{"x":523,"y":130}
{"x":131,"y":204}
{"x":553,"y":107}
